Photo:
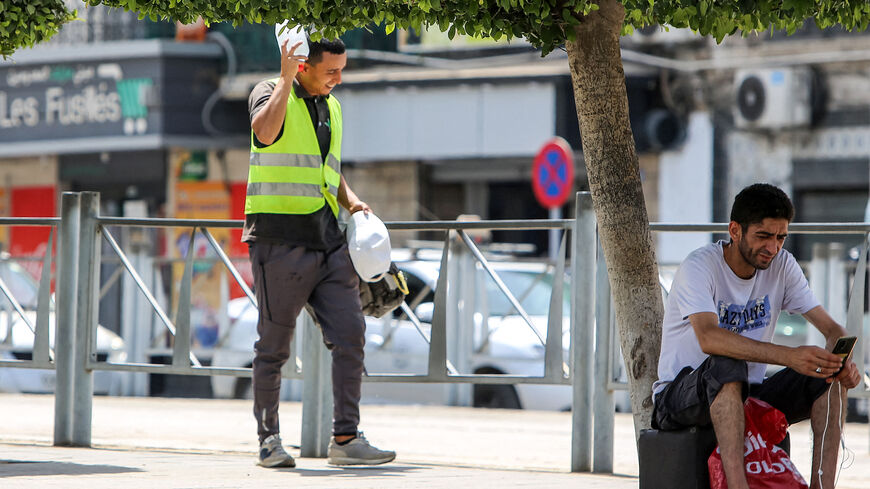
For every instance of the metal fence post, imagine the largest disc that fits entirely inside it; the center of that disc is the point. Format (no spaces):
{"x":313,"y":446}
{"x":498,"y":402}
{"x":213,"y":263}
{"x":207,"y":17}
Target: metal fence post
{"x":136,"y":321}
{"x":819,"y":284}
{"x":437,"y":364}
{"x":42,"y":353}
{"x":582,"y":321}
{"x":602,"y":445}
{"x":460,"y":326}
{"x":181,"y":341}
{"x":64,"y":345}
{"x":838,"y":295}
{"x":316,"y":390}
{"x":86,"y":318}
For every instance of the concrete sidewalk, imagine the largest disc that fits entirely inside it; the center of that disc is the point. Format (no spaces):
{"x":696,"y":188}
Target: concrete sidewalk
{"x":190,"y":443}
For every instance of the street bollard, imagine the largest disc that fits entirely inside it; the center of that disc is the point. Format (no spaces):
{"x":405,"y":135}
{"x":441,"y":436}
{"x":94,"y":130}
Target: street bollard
{"x":602,"y":440}
{"x":86,"y":318}
{"x":64,"y":345}
{"x":582,"y":321}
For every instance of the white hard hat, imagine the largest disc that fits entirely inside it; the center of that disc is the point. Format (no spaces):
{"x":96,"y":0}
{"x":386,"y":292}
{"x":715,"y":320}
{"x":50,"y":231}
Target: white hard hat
{"x":369,"y":244}
{"x":294,"y":34}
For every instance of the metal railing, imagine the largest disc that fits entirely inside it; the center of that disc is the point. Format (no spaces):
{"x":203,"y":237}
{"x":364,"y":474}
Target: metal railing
{"x":588,"y":368}
{"x":75,"y":386}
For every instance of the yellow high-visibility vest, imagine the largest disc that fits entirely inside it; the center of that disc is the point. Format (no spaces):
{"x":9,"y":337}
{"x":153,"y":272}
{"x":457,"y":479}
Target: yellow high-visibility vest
{"x":290,"y":176}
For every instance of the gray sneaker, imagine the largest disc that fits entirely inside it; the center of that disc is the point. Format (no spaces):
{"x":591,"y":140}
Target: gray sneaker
{"x":358,"y":452}
{"x":272,"y":454}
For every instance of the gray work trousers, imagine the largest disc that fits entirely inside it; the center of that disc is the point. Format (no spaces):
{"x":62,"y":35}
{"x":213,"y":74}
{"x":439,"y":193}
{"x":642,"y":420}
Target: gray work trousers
{"x":285,"y":279}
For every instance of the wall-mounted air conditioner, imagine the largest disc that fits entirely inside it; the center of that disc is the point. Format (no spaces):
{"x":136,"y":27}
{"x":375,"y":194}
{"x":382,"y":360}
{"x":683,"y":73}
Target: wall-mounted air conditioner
{"x":773,"y":98}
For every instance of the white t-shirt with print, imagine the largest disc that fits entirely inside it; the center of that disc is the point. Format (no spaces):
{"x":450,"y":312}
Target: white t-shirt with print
{"x":749,"y":307}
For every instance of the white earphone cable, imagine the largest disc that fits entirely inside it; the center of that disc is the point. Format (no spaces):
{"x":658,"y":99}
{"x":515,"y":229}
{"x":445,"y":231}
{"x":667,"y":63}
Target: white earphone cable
{"x":847,"y":454}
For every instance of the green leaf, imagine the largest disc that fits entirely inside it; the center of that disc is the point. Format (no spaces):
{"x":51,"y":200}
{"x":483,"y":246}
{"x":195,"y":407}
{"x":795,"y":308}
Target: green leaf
{"x":545,"y":23}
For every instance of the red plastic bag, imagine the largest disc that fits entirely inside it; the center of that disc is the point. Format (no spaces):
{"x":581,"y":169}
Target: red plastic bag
{"x":767,"y":465}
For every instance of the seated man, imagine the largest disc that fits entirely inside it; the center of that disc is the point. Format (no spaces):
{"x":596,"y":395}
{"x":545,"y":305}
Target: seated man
{"x":716,"y":339}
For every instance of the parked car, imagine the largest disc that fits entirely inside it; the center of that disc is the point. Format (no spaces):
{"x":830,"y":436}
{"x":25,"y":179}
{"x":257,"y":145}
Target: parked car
{"x":16,"y":339}
{"x":502,"y":344}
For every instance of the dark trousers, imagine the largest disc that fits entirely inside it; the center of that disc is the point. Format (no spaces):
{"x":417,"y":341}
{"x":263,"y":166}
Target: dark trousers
{"x":685,"y":402}
{"x":286,"y":278}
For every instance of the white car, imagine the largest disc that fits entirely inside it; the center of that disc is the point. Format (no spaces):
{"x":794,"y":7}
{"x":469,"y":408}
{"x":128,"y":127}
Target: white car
{"x":503,"y":343}
{"x":506,"y":345}
{"x":16,"y":340}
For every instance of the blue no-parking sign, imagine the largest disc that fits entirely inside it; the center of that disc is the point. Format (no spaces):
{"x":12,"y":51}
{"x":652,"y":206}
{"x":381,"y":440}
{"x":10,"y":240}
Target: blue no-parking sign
{"x":553,"y":173}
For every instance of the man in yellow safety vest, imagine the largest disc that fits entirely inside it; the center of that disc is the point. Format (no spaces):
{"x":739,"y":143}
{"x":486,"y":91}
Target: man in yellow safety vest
{"x":298,"y":254}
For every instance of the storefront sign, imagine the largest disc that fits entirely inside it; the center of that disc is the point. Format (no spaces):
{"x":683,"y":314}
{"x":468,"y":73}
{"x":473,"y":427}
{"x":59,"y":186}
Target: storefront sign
{"x":57,"y":101}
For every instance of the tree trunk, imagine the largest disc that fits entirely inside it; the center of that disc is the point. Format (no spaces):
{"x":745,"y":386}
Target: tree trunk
{"x":614,"y":180}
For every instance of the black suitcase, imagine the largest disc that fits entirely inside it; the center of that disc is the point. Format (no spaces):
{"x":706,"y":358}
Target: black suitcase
{"x":678,"y":459}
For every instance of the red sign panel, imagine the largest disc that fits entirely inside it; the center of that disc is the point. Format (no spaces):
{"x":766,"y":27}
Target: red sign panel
{"x":31,"y":241}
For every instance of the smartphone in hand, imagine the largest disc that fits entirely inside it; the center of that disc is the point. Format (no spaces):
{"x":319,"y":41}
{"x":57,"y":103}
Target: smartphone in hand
{"x":843,"y":348}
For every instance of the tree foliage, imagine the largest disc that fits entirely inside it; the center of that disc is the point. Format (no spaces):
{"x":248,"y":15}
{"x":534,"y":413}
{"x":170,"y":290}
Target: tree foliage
{"x":544,"y":23}
{"x":24,"y":23}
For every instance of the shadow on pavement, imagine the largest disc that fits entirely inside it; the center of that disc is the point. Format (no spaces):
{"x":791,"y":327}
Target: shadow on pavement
{"x":29,"y":468}
{"x":363,"y":471}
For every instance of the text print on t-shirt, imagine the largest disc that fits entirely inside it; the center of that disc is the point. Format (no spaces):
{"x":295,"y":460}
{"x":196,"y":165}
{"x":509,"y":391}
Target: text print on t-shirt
{"x":739,"y":318}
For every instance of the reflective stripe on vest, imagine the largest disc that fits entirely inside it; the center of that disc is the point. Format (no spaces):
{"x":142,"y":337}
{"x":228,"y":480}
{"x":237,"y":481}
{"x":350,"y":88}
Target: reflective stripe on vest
{"x":290,"y":176}
{"x":276,"y":188}
{"x":286,"y":159}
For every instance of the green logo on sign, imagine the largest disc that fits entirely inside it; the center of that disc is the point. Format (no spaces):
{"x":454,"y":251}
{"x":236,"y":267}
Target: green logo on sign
{"x":132,"y":92}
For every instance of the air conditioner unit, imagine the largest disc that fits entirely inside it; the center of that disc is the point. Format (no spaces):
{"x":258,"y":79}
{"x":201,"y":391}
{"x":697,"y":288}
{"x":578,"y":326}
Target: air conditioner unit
{"x":773,"y":98}
{"x":659,"y":35}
